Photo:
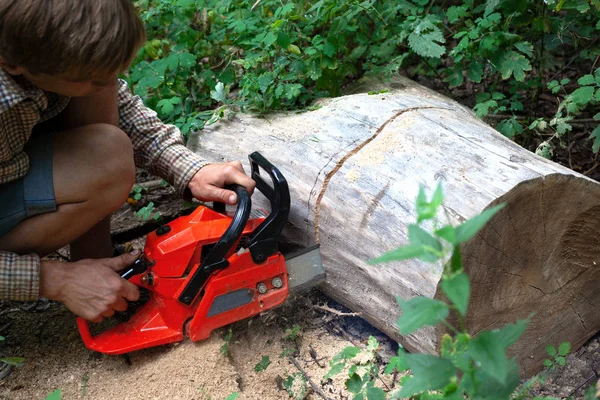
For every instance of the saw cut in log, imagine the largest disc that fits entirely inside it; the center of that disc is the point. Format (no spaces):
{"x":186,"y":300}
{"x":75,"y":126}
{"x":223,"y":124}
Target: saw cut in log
{"x":354,"y":168}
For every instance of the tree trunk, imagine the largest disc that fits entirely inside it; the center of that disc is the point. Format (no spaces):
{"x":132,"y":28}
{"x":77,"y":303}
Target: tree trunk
{"x":354,"y":167}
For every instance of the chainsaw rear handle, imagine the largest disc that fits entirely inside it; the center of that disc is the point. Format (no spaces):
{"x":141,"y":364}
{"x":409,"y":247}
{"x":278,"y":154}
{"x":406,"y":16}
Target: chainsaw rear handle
{"x":263,"y":241}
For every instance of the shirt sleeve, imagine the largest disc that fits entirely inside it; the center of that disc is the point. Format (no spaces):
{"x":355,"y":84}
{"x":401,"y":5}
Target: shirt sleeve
{"x":158,"y":147}
{"x":19,"y":276}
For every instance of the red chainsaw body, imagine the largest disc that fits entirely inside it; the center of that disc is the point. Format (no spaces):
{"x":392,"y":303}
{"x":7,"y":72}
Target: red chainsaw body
{"x":228,"y":295}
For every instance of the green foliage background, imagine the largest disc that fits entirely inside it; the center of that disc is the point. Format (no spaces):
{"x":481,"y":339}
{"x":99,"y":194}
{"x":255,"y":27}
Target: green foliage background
{"x":264,"y":55}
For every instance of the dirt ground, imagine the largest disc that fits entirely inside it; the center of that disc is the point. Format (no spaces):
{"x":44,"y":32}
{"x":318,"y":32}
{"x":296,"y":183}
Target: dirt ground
{"x":45,"y":334}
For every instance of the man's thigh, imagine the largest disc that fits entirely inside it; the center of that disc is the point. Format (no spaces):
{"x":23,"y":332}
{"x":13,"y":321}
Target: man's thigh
{"x":34,"y":193}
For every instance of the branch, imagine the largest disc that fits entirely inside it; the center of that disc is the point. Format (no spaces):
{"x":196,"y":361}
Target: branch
{"x":314,"y":386}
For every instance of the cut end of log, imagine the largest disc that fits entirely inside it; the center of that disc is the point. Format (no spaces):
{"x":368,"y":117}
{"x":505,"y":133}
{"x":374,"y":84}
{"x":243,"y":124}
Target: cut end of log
{"x":540,"y":253}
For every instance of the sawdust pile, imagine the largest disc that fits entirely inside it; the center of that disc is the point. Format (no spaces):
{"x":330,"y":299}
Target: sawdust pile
{"x":55,"y":358}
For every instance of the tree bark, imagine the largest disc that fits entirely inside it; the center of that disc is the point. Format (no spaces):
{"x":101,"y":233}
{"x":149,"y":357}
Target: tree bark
{"x":354,"y":166}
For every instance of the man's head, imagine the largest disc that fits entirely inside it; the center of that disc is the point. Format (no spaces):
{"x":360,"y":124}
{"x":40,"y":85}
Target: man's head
{"x":73,"y":47}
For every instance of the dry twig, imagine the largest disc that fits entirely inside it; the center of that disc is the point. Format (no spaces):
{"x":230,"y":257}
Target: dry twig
{"x":314,"y":386}
{"x":337,"y":312}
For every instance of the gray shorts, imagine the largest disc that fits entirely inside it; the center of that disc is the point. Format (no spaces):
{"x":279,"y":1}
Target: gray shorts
{"x":34,"y":193}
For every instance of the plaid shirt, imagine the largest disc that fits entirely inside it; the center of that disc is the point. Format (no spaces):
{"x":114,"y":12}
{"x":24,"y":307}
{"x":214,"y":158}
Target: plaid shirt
{"x":157,"y":147}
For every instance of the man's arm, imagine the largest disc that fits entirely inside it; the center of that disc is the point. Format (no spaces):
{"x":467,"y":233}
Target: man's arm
{"x":159,"y":148}
{"x":19,"y":276}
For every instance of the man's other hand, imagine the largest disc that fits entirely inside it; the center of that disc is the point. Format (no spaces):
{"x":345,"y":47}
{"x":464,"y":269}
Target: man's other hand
{"x":91,"y":289}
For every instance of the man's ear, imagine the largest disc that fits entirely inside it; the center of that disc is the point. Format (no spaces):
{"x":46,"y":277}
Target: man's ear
{"x":11,"y":69}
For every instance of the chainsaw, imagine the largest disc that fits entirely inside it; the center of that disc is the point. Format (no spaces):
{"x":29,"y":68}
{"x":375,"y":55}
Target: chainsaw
{"x":209,"y":269}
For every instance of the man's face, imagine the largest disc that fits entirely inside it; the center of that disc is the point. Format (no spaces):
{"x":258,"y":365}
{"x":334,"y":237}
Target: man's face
{"x":66,"y":84}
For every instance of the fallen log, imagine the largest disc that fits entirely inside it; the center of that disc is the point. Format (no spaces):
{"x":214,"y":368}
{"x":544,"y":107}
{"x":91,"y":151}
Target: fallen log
{"x":354,"y":167}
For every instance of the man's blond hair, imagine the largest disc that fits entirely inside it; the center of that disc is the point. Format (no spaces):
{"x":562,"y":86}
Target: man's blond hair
{"x":80,"y":37}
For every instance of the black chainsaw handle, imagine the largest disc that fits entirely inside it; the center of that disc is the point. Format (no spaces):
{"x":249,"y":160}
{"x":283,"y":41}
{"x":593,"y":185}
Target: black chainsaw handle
{"x":235,"y":229}
{"x":263,"y":241}
{"x":217,"y":257}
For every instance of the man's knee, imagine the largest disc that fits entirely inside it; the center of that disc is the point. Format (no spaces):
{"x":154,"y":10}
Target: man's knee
{"x":113,"y":154}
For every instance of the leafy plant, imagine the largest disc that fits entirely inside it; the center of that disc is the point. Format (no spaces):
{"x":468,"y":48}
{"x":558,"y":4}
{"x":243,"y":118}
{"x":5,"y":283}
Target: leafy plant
{"x":557,"y":356}
{"x":291,"y":334}
{"x":205,"y":59}
{"x":472,"y":367}
{"x":262,"y":364}
{"x":55,"y":395}
{"x":136,"y":192}
{"x":12,"y":361}
{"x":295,"y":385}
{"x":147,"y":212}
{"x":224,"y":349}
{"x":233,"y":396}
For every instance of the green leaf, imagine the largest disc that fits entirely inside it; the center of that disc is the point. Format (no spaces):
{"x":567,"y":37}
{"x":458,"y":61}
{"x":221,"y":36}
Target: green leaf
{"x":447,"y":233}
{"x":456,"y":260}
{"x":458,"y":290}
{"x":514,"y":64}
{"x":293,"y":90}
{"x":551,"y":350}
{"x":269,"y":39}
{"x":490,"y":5}
{"x":590,"y":392}
{"x":468,"y":229}
{"x":525,"y":47}
{"x":397,"y":363}
{"x":346,"y":354}
{"x":426,"y":40}
{"x":425,"y":209}
{"x":219,"y":93}
{"x":354,"y":384}
{"x":587,"y":80}
{"x":418,"y":236}
{"x":401,"y":253}
{"x":419,"y":312}
{"x":187,"y":60}
{"x":14,"y":361}
{"x":547,"y":363}
{"x":510,"y":333}
{"x":429,"y":373}
{"x":185,"y":3}
{"x":561,"y":361}
{"x":510,"y":127}
{"x":597,"y":117}
{"x":375,"y":393}
{"x":165,"y":106}
{"x":262,"y":364}
{"x":56,"y":395}
{"x":583,"y":95}
{"x":334,"y":370}
{"x":483,"y":109}
{"x":564,"y":348}
{"x":488,"y":351}
{"x":295,"y":385}
{"x":233,"y":396}
{"x":475,"y":72}
{"x":372,"y":344}
{"x":454,"y":13}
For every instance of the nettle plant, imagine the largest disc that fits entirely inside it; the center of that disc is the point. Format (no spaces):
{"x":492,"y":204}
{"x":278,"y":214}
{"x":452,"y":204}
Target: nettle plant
{"x":205,"y":58}
{"x":257,"y":56}
{"x":467,"y":367}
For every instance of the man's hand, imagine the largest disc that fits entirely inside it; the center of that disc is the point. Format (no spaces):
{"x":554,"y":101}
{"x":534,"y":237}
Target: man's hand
{"x":208,"y":183}
{"x":91,"y":289}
